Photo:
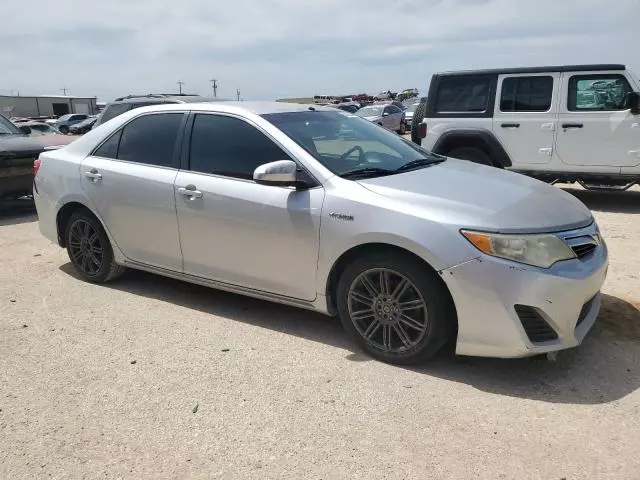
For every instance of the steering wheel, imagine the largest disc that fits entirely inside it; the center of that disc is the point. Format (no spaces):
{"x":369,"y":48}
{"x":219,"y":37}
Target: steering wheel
{"x":362,"y":155}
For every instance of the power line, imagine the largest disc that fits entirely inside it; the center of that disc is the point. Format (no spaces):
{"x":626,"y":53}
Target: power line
{"x":180,"y":83}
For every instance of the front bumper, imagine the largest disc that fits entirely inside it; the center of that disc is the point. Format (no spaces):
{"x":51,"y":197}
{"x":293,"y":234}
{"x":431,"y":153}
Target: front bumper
{"x":487,"y":289}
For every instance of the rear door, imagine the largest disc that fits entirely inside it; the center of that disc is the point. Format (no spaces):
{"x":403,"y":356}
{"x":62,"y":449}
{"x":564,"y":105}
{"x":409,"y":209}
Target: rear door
{"x":595,"y":127}
{"x":526,"y":116}
{"x":129,"y":179}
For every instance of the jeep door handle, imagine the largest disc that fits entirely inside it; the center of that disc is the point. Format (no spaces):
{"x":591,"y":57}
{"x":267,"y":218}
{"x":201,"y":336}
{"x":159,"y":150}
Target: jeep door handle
{"x":510,"y":125}
{"x":572,"y":125}
{"x":190,"y":191}
{"x":93,"y":175}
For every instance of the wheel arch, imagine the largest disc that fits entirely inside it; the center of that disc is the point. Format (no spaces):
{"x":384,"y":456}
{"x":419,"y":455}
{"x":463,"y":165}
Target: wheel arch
{"x":363,"y":249}
{"x":481,"y":139}
{"x":64,"y":214}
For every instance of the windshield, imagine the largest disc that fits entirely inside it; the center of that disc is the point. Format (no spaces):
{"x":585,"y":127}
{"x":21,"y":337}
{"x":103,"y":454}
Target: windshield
{"x":8,"y":128}
{"x":345,"y":143}
{"x":370,"y":112}
{"x":412,"y":108}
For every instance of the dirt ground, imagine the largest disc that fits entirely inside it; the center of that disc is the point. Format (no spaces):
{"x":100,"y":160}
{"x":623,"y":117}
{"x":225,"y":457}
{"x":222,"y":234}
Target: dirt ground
{"x":151,"y":378}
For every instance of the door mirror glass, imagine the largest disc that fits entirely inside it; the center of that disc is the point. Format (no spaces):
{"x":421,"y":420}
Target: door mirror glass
{"x":385,"y":114}
{"x":633,"y":102}
{"x":282,"y":173}
{"x":26,"y":129}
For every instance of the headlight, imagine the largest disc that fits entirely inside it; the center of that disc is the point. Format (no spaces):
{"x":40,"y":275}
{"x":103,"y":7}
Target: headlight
{"x":537,"y":250}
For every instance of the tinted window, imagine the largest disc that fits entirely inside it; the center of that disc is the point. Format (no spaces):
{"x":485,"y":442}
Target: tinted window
{"x":597,"y":92}
{"x":109,"y":149}
{"x":230,"y":147}
{"x":463,"y":94}
{"x":150,"y":139}
{"x":526,"y":94}
{"x":113,"y":110}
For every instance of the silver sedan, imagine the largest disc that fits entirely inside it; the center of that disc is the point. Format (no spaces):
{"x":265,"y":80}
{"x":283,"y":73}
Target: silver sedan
{"x":389,"y":116}
{"x":319,"y":209}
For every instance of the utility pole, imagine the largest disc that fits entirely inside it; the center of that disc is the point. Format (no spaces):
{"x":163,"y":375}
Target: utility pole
{"x":238,"y":94}
{"x":64,"y":90}
{"x":214,"y":84}
{"x":180,"y":83}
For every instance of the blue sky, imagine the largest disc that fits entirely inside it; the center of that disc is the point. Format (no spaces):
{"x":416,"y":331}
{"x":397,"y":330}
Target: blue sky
{"x":274,"y":48}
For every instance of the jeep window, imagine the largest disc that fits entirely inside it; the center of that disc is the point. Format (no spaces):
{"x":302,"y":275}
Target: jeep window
{"x":526,"y":94}
{"x":463,"y":94}
{"x":600,"y":92}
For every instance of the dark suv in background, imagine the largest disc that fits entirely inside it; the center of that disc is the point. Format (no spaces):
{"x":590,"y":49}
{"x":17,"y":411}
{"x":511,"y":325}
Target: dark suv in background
{"x":124,"y":104}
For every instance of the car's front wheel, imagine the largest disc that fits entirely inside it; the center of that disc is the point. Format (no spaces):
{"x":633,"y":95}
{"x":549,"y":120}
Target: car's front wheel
{"x":64,"y":129}
{"x":89,"y":248}
{"x":403,"y":128}
{"x":395,"y":308}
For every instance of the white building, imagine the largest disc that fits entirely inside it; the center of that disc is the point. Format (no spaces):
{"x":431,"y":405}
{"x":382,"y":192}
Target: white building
{"x":46,"y":105}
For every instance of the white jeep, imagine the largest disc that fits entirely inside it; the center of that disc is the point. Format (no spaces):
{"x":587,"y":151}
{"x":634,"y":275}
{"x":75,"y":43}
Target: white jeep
{"x":559,"y":124}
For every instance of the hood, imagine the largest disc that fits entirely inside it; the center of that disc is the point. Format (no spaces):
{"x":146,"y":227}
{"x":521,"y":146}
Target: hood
{"x":19,"y":146}
{"x":483,"y":198}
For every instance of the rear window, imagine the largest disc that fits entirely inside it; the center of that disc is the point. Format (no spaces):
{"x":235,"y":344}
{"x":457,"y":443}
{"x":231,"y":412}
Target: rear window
{"x":526,"y":94}
{"x":113,"y":110}
{"x":463,"y":94}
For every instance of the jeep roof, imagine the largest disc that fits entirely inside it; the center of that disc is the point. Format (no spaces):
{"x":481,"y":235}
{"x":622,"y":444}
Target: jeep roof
{"x":556,"y":68}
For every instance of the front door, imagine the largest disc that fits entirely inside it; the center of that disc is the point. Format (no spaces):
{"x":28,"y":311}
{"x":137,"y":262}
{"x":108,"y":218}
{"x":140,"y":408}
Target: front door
{"x":594,"y":127}
{"x":525,"y":116}
{"x":235,"y":231}
{"x":130,"y":179}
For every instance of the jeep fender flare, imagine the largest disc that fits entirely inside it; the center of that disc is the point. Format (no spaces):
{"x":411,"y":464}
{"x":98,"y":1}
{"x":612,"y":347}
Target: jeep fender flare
{"x":482,"y":139}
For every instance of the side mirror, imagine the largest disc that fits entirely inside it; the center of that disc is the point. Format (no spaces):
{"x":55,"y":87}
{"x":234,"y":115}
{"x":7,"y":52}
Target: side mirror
{"x":26,"y":129}
{"x":282,"y":173}
{"x":632,"y":102}
{"x":385,"y":114}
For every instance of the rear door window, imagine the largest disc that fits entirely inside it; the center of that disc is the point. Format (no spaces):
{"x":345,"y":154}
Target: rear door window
{"x":463,"y":94}
{"x":526,"y":94}
{"x":597,"y":92}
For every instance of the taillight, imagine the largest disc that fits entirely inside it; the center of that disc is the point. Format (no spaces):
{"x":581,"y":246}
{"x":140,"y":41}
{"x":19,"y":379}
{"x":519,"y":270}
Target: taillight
{"x":422,"y":130}
{"x":36,"y":166}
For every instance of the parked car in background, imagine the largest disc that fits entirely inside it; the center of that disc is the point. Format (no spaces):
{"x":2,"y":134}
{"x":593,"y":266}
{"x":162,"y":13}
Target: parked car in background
{"x":18,"y":150}
{"x":39,"y":128}
{"x":384,"y":96}
{"x":84,"y":126}
{"x":566,"y":123}
{"x":387,"y":115}
{"x":410,"y":249}
{"x":407,"y":94}
{"x":411,"y":106}
{"x":64,"y":122}
{"x":349,"y":107}
{"x":124,"y":104}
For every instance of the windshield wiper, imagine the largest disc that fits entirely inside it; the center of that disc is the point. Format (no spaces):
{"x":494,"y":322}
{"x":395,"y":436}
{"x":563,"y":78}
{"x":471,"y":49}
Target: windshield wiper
{"x":367,"y":172}
{"x":420,"y":163}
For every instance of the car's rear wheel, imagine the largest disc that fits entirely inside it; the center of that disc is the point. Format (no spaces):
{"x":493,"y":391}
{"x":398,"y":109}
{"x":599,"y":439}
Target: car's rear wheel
{"x":395,"y":308}
{"x":89,"y":248}
{"x":471,"y":154}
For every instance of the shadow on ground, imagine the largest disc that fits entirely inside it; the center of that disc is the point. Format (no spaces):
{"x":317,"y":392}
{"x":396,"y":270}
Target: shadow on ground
{"x":16,"y":211}
{"x":606,"y":367}
{"x":614,"y":202}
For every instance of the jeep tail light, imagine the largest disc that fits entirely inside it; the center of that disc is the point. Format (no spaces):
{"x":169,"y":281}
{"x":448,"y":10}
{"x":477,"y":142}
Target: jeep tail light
{"x":36,"y":166}
{"x":422,"y":130}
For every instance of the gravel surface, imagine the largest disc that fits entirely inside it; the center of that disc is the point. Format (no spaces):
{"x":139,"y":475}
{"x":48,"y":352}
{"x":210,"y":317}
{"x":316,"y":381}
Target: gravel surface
{"x":153,"y":378}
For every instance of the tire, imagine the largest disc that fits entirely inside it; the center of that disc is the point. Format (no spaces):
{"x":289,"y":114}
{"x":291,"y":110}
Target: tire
{"x":471,"y":154}
{"x":425,"y":328}
{"x":418,"y":116}
{"x":89,"y":248}
{"x":403,"y":128}
{"x":64,"y":129}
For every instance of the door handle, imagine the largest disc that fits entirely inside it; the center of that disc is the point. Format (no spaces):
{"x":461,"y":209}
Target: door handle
{"x":190,"y":191}
{"x":93,"y":175}
{"x":572,"y":125}
{"x":510,"y":125}
{"x":548,"y":126}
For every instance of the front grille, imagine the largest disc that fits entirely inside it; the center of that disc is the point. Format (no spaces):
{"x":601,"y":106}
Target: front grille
{"x":583,"y":250}
{"x":536,"y":328}
{"x":586,"y":308}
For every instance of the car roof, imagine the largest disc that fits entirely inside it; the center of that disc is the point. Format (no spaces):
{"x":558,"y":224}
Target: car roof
{"x":257,"y":108}
{"x":556,"y":68}
{"x":154,"y":98}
